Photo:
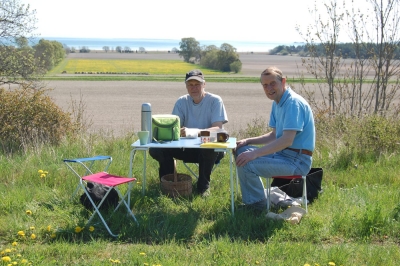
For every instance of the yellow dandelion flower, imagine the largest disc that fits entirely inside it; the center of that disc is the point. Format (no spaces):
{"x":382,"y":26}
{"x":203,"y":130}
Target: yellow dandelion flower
{"x":48,"y":228}
{"x":138,"y":182}
{"x":21,"y":233}
{"x":43,"y":175}
{"x":142,"y":254}
{"x":19,"y":255}
{"x":78,"y":229}
{"x":29,"y":212}
{"x":117,"y":261}
{"x":331,"y":263}
{"x":146,"y":264}
{"x":91,"y":228}
{"x":45,"y":172}
{"x":6,"y":259}
{"x":24,"y":261}
{"x":257,"y":262}
{"x":14,"y":243}
{"x":40,"y":171}
{"x":32,"y":228}
{"x":53,"y":235}
{"x":33,"y":236}
{"x":14,"y":263}
{"x":7,"y":250}
{"x":307,"y":264}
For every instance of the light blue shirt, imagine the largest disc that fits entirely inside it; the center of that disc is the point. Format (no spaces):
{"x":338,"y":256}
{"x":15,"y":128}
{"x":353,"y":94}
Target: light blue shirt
{"x":211,"y":109}
{"x":294,"y":113}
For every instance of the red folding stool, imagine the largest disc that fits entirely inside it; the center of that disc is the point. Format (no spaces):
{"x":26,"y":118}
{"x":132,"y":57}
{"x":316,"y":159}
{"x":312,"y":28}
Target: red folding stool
{"x":303,"y":197}
{"x":103,"y":178}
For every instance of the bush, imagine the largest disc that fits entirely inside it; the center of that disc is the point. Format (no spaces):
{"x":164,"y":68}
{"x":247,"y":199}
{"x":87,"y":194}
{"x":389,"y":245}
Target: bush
{"x":29,"y":117}
{"x":236,"y":66}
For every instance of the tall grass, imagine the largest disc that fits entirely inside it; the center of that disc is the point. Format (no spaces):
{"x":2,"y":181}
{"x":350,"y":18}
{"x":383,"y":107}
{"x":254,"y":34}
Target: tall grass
{"x":355,"y":221}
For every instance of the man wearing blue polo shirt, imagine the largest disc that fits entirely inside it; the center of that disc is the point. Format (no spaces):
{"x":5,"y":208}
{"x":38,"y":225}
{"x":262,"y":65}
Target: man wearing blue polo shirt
{"x":286,"y":150}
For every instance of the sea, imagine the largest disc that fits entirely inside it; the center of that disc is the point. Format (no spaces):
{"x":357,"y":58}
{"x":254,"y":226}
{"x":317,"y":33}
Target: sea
{"x":163,"y":44}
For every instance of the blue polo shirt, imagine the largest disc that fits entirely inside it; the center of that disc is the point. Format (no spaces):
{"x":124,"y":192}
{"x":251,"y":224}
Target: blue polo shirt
{"x":294,"y":113}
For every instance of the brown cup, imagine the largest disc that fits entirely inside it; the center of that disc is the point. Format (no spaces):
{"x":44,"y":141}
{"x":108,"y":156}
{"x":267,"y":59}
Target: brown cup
{"x":204,"y":133}
{"x":222,"y":137}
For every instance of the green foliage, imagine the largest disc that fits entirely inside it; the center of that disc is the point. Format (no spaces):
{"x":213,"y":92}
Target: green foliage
{"x":236,"y":66}
{"x":28,"y":118}
{"x":49,"y":53}
{"x":223,"y":59}
{"x":350,"y":141}
{"x":189,"y":48}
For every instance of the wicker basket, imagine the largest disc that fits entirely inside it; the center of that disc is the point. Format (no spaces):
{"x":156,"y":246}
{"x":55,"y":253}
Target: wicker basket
{"x":175,"y":185}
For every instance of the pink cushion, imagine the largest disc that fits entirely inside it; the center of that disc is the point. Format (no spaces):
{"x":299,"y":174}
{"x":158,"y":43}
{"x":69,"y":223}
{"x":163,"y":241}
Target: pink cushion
{"x":107,"y":179}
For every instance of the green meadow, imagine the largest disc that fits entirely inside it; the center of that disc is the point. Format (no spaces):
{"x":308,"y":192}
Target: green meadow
{"x":355,"y":221}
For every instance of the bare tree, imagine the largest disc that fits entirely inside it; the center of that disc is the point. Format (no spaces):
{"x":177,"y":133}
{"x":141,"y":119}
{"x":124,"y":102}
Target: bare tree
{"x":17,"y":65}
{"x":106,"y":49}
{"x":16,"y":20}
{"x":375,"y":40}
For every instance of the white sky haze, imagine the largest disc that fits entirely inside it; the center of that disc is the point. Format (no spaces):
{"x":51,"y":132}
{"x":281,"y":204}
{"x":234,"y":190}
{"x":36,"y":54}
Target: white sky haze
{"x":241,"y":20}
{"x":252,"y":20}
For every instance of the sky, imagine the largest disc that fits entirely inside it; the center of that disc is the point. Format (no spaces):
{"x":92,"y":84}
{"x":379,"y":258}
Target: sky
{"x":241,"y":20}
{"x":251,"y":20}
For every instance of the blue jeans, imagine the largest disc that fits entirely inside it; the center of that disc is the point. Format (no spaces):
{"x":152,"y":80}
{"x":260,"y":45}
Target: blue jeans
{"x":282,"y":163}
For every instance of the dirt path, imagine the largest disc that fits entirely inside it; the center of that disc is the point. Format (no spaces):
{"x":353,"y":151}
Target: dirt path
{"x":116,"y":105}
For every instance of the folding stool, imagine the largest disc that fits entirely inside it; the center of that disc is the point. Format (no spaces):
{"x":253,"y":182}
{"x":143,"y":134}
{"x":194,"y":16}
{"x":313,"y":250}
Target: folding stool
{"x":112,"y":181}
{"x":304,"y":196}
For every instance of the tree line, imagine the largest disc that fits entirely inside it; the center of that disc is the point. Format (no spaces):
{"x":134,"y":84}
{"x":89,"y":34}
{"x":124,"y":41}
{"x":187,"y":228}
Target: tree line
{"x":20,"y":60}
{"x":223,"y":58}
{"x":345,"y":50}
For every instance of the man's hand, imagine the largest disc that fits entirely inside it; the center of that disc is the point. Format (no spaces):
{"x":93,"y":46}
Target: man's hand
{"x":245,"y":157}
{"x":241,"y":143}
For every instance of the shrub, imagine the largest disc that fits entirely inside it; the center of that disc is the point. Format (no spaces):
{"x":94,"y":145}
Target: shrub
{"x":236,"y":66}
{"x":29,"y":117}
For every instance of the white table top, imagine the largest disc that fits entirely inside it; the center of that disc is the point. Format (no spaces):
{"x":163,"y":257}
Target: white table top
{"x":182,"y":143}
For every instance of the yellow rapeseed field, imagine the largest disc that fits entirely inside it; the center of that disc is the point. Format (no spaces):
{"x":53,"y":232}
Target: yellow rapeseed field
{"x":152,"y":67}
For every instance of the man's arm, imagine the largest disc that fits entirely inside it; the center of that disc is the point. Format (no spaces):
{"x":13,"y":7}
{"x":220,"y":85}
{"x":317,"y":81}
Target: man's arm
{"x":274,"y":146}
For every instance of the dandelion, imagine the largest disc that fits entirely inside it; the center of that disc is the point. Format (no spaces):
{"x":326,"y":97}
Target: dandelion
{"x":142,"y":254}
{"x":21,"y":233}
{"x":7,"y":250}
{"x":43,"y":175}
{"x":32,"y":228}
{"x":24,"y":261}
{"x":91,"y":228}
{"x":33,"y":236}
{"x":48,"y":228}
{"x":78,"y":229}
{"x":331,"y":263}
{"x":257,"y":262}
{"x":40,"y":171}
{"x":6,"y":259}
{"x":146,"y":264}
{"x":307,"y":264}
{"x":14,"y":243}
{"x":29,"y":212}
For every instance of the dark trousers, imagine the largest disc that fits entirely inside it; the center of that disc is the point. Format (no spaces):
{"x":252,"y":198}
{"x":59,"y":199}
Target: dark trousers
{"x":206,"y":159}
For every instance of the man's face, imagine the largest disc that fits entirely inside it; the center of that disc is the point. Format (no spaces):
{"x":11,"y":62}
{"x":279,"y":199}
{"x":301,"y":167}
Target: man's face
{"x":273,"y":87}
{"x":195,"y":89}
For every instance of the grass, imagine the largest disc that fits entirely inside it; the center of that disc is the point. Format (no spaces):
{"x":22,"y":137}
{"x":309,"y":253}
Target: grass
{"x":355,"y":221}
